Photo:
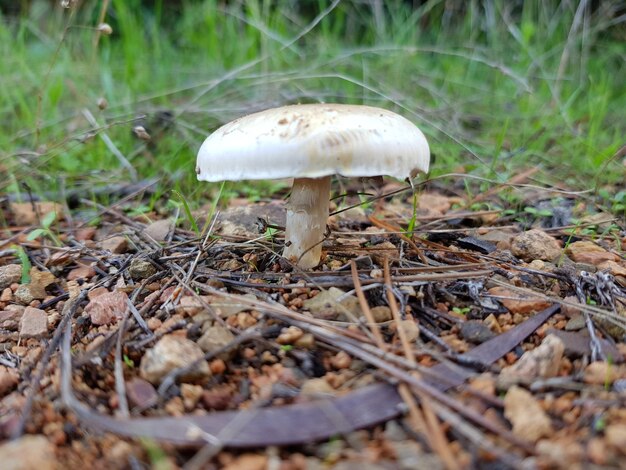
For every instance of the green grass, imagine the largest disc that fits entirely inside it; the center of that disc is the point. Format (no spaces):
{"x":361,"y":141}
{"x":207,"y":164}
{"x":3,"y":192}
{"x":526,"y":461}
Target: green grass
{"x":495,"y":88}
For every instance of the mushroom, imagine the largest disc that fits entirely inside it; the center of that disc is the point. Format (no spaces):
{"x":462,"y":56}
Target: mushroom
{"x":312,"y":142}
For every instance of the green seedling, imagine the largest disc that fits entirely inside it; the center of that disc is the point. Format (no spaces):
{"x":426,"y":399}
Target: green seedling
{"x":411,"y":226}
{"x":211,"y":214}
{"x":25,"y":261}
{"x":616,"y":203}
{"x":45,"y":231}
{"x":481,"y":206}
{"x":572,"y":233}
{"x":538,"y":212}
{"x":461,"y":311}
{"x":141,"y":209}
{"x":156,"y":454}
{"x":619,"y":203}
{"x":187,"y":211}
{"x":499,"y":144}
{"x":599,"y":424}
{"x":269,"y":233}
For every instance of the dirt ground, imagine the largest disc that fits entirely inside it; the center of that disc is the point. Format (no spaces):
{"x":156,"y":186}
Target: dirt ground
{"x":491,"y":336}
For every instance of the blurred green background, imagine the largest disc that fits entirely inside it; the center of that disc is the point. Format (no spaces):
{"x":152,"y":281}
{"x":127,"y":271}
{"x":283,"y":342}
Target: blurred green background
{"x":497,"y":86}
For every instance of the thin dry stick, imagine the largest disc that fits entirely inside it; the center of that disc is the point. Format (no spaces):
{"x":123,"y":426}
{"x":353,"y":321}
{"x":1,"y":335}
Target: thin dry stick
{"x":434,"y":425}
{"x":514,"y":185}
{"x":120,"y":386}
{"x":434,"y":277}
{"x":365,"y":307}
{"x":101,"y":17}
{"x":201,"y":249}
{"x":416,"y":418}
{"x":393,"y":305}
{"x":414,"y":412}
{"x":430,"y":425}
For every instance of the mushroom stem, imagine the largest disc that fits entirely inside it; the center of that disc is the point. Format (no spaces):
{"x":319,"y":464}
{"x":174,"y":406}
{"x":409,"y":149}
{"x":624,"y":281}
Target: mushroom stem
{"x":307,"y":214}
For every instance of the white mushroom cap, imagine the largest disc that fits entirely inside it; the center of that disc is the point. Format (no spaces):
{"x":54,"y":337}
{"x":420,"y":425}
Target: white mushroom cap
{"x":312,"y":141}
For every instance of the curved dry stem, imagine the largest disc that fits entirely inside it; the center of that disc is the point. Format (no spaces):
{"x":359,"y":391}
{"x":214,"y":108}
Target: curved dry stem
{"x":307,"y":214}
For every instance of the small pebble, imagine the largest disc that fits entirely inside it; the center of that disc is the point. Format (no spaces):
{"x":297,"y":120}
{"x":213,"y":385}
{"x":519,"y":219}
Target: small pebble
{"x":216,"y":337}
{"x":34,"y":323}
{"x":600,"y":373}
{"x":535,"y":245}
{"x":116,"y":245}
{"x":24,"y":295}
{"x":191,"y":394}
{"x":523,"y":410}
{"x":411,"y":329}
{"x":141,"y":393}
{"x":306,"y":341}
{"x":475,"y":332}
{"x":7,"y":295}
{"x":217,"y":366}
{"x":575,"y":323}
{"x":159,"y":230}
{"x":316,"y":387}
{"x":381,"y":313}
{"x":9,"y":274}
{"x":341,"y":360}
{"x":82,"y":272}
{"x":289,"y":335}
{"x":107,"y":308}
{"x":172,"y":352}
{"x":141,"y":269}
{"x":218,"y":397}
{"x":542,"y":361}
{"x":28,"y":453}
{"x":619,"y":386}
{"x":9,"y":379}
